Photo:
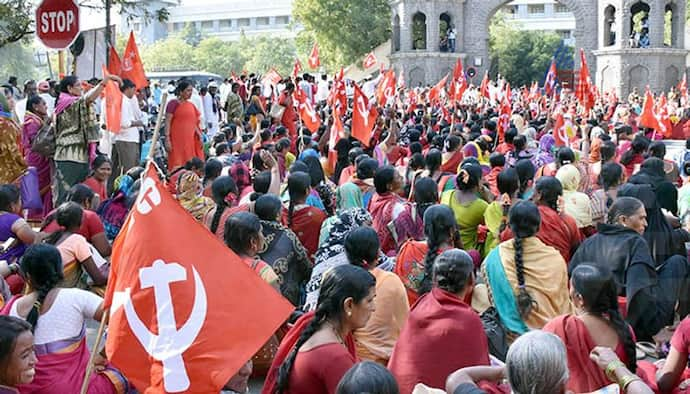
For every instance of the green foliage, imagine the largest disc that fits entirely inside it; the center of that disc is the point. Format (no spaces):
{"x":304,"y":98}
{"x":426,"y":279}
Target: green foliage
{"x":190,"y":34}
{"x":173,"y":53}
{"x":520,"y":56}
{"x":347,"y":30}
{"x":17,"y":59}
{"x":16,"y":20}
{"x":271,"y":52}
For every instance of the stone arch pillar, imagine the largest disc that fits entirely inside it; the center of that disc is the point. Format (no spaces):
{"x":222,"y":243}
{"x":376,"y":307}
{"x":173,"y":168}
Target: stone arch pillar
{"x":656,"y":24}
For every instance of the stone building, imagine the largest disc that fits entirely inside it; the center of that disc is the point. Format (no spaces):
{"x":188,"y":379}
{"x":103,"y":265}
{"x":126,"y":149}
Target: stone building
{"x":602,"y":28}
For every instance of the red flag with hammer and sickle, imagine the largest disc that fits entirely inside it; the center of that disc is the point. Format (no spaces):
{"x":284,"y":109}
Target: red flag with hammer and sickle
{"x":185,"y":311}
{"x":314,"y":61}
{"x":363,"y":117}
{"x":132,"y":67}
{"x":307,"y":112}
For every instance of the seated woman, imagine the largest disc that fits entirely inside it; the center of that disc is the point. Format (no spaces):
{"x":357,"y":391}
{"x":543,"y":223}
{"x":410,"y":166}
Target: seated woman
{"x":410,"y":224}
{"x":376,"y":339}
{"x":319,"y":349}
{"x":610,"y":178}
{"x":442,"y":333}
{"x":190,"y":195}
{"x":92,"y":227}
{"x":368,"y":377}
{"x":467,"y":207}
{"x":575,"y":203}
{"x":386,"y":205}
{"x":674,"y":369}
{"x":558,"y":230}
{"x":113,"y":211}
{"x":77,"y":255}
{"x":101,"y":168}
{"x":282,"y":250}
{"x":596,"y":322}
{"x":527,"y":279}
{"x":304,"y":220}
{"x":225,"y":194}
{"x":59,"y":336}
{"x":651,"y":293}
{"x":496,"y":214}
{"x":416,"y":258}
{"x":364,"y":179}
{"x":13,"y":227}
{"x":348,"y":196}
{"x":16,"y":354}
{"x":332,"y":252}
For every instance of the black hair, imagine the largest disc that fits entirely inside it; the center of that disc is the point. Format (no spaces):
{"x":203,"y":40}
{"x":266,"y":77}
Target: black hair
{"x":220,"y":188}
{"x":66,"y":83}
{"x":508,"y":181}
{"x":452,"y":143}
{"x":520,"y":143}
{"x":657,"y":149}
{"x":384,"y":176}
{"x":468,"y":177}
{"x":452,"y":269}
{"x":10,"y":329}
{"x":68,"y":216}
{"x":416,"y":147}
{"x":99,"y":161}
{"x":299,"y":166}
{"x":549,"y":188}
{"x":126,"y":84}
{"x":42,"y":264}
{"x":425,"y":194}
{"x":526,"y":171}
{"x":181,"y":86}
{"x":497,"y":160}
{"x":298,"y":188}
{"x":366,"y":168}
{"x":367,"y":377}
{"x":609,"y":177}
{"x":212,"y":169}
{"x":599,"y":292}
{"x":33,"y":101}
{"x":9,"y":194}
{"x":638,"y":145}
{"x":439,"y":227}
{"x":524,"y":221}
{"x":261,"y":183}
{"x":607,"y":151}
{"x":315,"y":170}
{"x":338,"y":284}
{"x":194,"y":163}
{"x":81,"y":194}
{"x":510,"y":135}
{"x":240,"y":229}
{"x":565,"y":156}
{"x":282,"y":144}
{"x":268,"y":207}
{"x":362,"y":247}
{"x":416,"y":161}
{"x":433,"y":160}
{"x":623,"y":206}
{"x":353,"y":153}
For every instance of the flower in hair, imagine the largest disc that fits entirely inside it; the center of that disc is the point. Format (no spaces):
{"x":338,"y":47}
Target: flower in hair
{"x":464,"y":176}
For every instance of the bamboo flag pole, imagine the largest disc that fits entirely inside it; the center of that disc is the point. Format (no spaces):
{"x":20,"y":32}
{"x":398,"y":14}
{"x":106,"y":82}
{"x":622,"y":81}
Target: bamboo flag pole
{"x":104,"y":318}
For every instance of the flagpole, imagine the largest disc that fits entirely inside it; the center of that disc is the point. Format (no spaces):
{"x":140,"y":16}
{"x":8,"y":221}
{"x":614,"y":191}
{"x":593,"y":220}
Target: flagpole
{"x":92,"y":357}
{"x":157,"y":128}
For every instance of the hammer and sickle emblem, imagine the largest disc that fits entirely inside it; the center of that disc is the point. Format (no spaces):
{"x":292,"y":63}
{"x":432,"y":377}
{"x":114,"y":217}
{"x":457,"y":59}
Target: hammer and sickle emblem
{"x":149,"y":197}
{"x":170,"y":343}
{"x":362,"y":108}
{"x":127,"y":63}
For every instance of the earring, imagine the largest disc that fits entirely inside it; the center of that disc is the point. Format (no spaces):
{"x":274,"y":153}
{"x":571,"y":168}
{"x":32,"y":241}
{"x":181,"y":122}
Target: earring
{"x":349,"y":314}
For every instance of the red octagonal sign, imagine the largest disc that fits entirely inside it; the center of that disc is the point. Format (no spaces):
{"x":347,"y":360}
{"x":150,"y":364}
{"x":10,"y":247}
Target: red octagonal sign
{"x":57,"y":23}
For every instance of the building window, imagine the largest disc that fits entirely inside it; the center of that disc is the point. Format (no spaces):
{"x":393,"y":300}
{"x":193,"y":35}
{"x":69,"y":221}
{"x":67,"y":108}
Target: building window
{"x":282,"y":20}
{"x":243,"y":22}
{"x":560,"y":8}
{"x":262,"y":21}
{"x":564,"y":34}
{"x":207,"y":25}
{"x":225,"y":24}
{"x":535,"y":8}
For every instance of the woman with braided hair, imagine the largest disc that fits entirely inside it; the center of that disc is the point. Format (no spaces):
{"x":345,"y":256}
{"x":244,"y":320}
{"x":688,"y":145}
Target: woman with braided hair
{"x":319,"y":349}
{"x":303,"y":219}
{"x":597,"y":321}
{"x":443,"y":332}
{"x":557,"y":229}
{"x":527,"y":279}
{"x":58,"y":317}
{"x":226,"y":196}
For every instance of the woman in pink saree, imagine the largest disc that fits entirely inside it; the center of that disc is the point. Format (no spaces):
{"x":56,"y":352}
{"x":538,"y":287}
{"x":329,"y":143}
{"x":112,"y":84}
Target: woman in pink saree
{"x":58,"y":319}
{"x":35,"y":119}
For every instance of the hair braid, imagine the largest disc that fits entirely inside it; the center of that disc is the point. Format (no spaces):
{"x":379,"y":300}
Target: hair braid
{"x":525,"y":302}
{"x":220,"y":208}
{"x":431,"y":254}
{"x":286,"y":366}
{"x":624,"y":335}
{"x":291,"y":211}
{"x":42,"y":291}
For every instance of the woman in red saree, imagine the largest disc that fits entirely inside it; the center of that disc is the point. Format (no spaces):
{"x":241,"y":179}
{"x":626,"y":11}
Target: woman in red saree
{"x":35,"y":119}
{"x":319,"y":349}
{"x":304,"y":220}
{"x":183,"y":139}
{"x":442,"y":333}
{"x":386,"y":205}
{"x":60,"y":336}
{"x":598,"y":322}
{"x":453,"y":155}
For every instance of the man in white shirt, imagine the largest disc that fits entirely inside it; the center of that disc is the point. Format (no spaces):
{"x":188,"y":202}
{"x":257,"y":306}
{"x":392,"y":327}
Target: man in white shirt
{"x":199,"y":104}
{"x":322,"y":89}
{"x":305,"y":85}
{"x":452,"y":35}
{"x":126,"y":142}
{"x":20,"y":106}
{"x":211,"y":108}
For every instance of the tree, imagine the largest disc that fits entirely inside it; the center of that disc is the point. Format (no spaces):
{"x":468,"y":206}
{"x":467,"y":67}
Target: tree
{"x":170,"y":54}
{"x":267,"y":53}
{"x":520,"y":56}
{"x":219,"y":57}
{"x":17,"y":59}
{"x":16,"y":18}
{"x":347,"y":30}
{"x":190,"y":34}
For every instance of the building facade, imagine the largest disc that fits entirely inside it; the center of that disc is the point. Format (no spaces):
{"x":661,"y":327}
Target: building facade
{"x":225,"y":19}
{"x":542,"y":15}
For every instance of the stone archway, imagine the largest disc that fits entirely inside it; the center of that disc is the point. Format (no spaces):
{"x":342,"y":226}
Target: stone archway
{"x":478,"y":14}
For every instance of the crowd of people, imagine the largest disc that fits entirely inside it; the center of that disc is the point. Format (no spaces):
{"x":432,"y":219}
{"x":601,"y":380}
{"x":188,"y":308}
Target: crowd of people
{"x":450,"y":251}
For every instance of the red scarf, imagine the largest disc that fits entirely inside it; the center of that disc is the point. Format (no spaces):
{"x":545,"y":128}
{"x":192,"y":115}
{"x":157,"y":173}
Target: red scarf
{"x":381,"y":209}
{"x":453,"y":163}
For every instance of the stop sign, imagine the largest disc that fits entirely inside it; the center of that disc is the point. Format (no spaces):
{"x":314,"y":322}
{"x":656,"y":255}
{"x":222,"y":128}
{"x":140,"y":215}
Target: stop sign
{"x":57,"y":23}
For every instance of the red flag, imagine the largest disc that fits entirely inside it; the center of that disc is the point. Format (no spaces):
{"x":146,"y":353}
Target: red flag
{"x":297,"y":68}
{"x":314,"y":61}
{"x":459,"y":83}
{"x":584,"y":91}
{"x":663,"y":118}
{"x":369,"y":61}
{"x":307,"y":113}
{"x":484,"y":88}
{"x":334,"y":137}
{"x":114,"y":63}
{"x":435,"y":92}
{"x":385,"y":92}
{"x":683,"y":89}
{"x":272,"y":77}
{"x":363,"y":117}
{"x":172,"y":290}
{"x":648,"y":117}
{"x":113,"y":105}
{"x":401,"y":80}
{"x":550,"y":81}
{"x":338,"y":94}
{"x":411,"y":101}
{"x":504,"y":115}
{"x":563,"y":129}
{"x":132,"y":67}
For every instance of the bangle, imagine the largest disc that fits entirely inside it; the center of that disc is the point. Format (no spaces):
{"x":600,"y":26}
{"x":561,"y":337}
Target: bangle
{"x":611,"y":369}
{"x":14,"y":268}
{"x":626,"y":380}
